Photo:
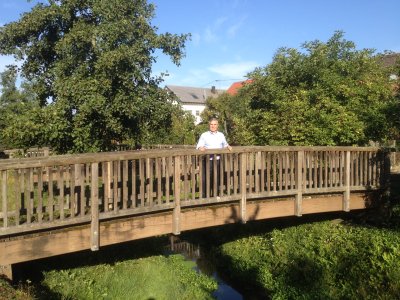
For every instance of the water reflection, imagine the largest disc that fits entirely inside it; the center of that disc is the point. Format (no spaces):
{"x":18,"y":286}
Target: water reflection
{"x":193,"y":252}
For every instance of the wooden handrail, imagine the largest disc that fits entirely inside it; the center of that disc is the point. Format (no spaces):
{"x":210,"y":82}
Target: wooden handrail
{"x":48,"y":192}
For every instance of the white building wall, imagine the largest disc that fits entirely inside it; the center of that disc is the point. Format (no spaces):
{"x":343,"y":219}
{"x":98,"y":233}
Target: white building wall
{"x":195,"y":109}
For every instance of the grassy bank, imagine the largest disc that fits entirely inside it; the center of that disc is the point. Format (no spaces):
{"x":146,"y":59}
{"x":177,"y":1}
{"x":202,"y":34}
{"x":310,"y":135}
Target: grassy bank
{"x":322,"y":260}
{"x":135,"y":270}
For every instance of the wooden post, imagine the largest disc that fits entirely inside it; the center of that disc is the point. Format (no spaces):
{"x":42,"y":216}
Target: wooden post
{"x":176,"y":218}
{"x":95,"y":226}
{"x":243,"y":187}
{"x":346,"y":194}
{"x":6,"y":270}
{"x":299,"y":184}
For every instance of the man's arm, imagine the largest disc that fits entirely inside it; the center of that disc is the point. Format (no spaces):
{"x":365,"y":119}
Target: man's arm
{"x":201,"y":143}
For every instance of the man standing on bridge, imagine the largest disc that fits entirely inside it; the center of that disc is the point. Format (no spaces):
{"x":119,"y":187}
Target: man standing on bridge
{"x":212,"y":139}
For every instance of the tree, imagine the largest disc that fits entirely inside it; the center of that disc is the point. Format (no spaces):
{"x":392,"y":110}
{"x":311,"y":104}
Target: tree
{"x":16,"y":107}
{"x":328,"y":94}
{"x":90,"y":62}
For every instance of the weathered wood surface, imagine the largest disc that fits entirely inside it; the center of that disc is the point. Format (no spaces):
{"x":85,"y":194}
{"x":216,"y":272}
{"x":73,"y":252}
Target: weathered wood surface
{"x":60,"y":204}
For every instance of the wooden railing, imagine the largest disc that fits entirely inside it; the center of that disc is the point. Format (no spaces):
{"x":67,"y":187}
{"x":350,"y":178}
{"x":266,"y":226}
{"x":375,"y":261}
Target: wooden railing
{"x":30,"y":152}
{"x":49,"y":192}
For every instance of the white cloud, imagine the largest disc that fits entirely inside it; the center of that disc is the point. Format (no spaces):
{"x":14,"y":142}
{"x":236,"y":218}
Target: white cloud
{"x":209,"y":35}
{"x":234,"y":70}
{"x":235,"y":27}
{"x":196,"y":39}
{"x":218,"y":22}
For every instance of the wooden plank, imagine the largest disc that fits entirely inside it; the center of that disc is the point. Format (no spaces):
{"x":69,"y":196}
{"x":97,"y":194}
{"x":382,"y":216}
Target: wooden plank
{"x":115,"y":185}
{"x":134,"y":183}
{"x":357,"y":169}
{"x":149,"y":181}
{"x":159,"y":180}
{"x":292,"y":170}
{"x":346,"y":194}
{"x":280,"y":172}
{"x":320,"y":168}
{"x":274,"y":172}
{"x":286,"y":169}
{"x":17,"y":198}
{"x":40,"y":195}
{"x":94,"y":208}
{"x":221,"y":175}
{"x":142,"y":181}
{"x":299,"y":186}
{"x":268,"y":171}
{"x":243,"y":184}
{"x":193,"y":176}
{"x":82,"y":197}
{"x":4,"y":198}
{"x":236,"y":174}
{"x":106,"y":172}
{"x":250,"y":173}
{"x":124,"y":181}
{"x":168,"y":162}
{"x":262,"y":171}
{"x":72,"y":192}
{"x":26,"y":197}
{"x":315,"y":169}
{"x":215,"y":177}
{"x":177,"y":200}
{"x":61,"y":191}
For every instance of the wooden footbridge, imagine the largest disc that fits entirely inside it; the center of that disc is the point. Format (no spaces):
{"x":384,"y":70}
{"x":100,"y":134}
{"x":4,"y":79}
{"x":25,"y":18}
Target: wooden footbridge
{"x":60,"y":204}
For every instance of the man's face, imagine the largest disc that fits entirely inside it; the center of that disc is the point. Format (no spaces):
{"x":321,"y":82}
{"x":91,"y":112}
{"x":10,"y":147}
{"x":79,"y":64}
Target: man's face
{"x":213,"y":126}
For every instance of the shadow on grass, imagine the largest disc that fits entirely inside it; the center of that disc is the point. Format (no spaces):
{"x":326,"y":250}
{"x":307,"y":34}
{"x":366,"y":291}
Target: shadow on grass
{"x":30,"y":274}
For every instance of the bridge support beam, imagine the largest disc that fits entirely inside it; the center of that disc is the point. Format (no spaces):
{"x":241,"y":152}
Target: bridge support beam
{"x":6,"y":270}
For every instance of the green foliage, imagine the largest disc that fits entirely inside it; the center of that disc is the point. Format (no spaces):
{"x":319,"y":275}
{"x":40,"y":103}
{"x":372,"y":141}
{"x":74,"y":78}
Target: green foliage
{"x":327,"y":94}
{"x":319,"y":261}
{"x":90,"y":64}
{"x":8,"y":292}
{"x":154,"y":277}
{"x":20,"y":125}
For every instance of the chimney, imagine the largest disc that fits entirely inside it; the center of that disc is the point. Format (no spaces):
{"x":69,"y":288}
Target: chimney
{"x":213,"y":90}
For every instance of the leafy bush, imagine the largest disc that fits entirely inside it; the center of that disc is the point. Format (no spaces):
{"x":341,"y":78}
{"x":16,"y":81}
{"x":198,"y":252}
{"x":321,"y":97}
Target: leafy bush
{"x":322,"y":260}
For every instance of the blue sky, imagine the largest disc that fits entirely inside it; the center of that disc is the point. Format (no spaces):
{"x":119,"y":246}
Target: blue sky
{"x":232,"y":37}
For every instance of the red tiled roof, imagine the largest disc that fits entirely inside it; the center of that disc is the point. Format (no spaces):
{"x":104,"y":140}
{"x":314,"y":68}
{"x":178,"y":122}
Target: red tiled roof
{"x":233,"y":89}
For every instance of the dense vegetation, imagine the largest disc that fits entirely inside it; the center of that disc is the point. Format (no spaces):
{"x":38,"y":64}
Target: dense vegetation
{"x":328,"y":93}
{"x":89,"y":68}
{"x":323,"y":260}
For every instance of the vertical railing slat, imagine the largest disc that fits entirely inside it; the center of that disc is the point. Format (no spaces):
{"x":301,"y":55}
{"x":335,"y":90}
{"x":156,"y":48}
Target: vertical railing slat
{"x":243,"y":189}
{"x":94,"y":208}
{"x":346,"y":195}
{"x":40,"y":194}
{"x":125,"y":175}
{"x":176,"y":223}
{"x":60,"y":182}
{"x":299,"y":183}
{"x":4,"y":199}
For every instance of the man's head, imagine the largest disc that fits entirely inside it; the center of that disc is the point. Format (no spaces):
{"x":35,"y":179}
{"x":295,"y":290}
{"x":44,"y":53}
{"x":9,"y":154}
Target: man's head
{"x":213,"y":124}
